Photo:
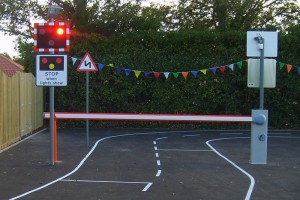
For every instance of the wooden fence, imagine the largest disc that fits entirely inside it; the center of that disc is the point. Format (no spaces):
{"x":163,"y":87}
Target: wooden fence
{"x":21,"y":107}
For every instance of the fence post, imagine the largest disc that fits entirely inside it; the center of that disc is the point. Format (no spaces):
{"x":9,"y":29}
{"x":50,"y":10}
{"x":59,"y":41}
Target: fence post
{"x":259,"y":137}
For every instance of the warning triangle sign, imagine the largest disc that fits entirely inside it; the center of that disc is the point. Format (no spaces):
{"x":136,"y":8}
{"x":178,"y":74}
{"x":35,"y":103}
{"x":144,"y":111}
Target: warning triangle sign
{"x":87,"y":64}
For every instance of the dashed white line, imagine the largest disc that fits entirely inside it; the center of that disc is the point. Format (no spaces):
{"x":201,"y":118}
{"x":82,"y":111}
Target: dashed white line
{"x":156,"y":155}
{"x":155,"y":148}
{"x":158,"y":162}
{"x":158,"y":173}
{"x":154,"y":142}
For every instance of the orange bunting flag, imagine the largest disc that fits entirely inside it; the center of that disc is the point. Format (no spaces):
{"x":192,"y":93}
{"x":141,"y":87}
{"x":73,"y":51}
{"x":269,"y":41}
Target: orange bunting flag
{"x":185,"y":74}
{"x":289,"y":67}
{"x":203,"y":71}
{"x":137,"y":73}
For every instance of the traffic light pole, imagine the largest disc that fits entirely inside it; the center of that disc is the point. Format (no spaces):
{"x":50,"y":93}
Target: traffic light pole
{"x":51,"y":108}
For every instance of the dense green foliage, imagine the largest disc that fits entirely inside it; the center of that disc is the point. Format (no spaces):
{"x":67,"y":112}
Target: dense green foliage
{"x":188,"y":35}
{"x":220,"y":93}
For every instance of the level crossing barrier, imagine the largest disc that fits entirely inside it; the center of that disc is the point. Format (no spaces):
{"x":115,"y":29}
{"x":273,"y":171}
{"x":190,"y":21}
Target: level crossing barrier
{"x":259,"y":125}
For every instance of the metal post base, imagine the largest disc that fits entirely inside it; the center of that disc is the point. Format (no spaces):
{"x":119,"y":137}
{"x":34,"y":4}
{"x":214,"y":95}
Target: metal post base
{"x":259,"y":137}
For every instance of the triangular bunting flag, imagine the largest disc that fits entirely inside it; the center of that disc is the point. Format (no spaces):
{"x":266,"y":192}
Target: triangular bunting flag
{"x":203,"y":71}
{"x":137,"y":73}
{"x":176,"y":74}
{"x":289,"y":67}
{"x":185,"y":74}
{"x":195,"y":73}
{"x":100,"y":66}
{"x":240,"y":64}
{"x":110,"y":65}
{"x":127,"y":72}
{"x":222,"y":69}
{"x":231,"y":66}
{"x":213,"y":70}
{"x":119,"y":70}
{"x":167,"y":74}
{"x":73,"y":60}
{"x":156,"y":74}
{"x":281,"y":65}
{"x":298,"y":70}
{"x":147,"y":74}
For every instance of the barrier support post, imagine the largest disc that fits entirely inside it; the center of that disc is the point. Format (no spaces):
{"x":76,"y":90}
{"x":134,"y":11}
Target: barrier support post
{"x":259,"y":137}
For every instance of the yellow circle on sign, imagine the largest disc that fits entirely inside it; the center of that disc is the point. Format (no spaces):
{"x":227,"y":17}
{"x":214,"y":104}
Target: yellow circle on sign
{"x":51,"y":66}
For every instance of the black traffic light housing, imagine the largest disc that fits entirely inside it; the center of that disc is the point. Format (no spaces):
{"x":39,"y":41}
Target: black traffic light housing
{"x":51,"y":37}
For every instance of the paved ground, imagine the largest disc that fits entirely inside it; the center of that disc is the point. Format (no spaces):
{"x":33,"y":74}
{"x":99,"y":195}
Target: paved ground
{"x":151,"y":164}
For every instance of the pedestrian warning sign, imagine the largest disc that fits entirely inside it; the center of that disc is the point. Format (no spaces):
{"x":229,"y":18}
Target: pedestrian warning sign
{"x":87,"y":64}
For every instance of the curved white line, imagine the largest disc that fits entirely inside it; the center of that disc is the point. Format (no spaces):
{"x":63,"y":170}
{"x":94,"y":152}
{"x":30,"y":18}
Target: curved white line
{"x":83,"y":161}
{"x":252,"y":180}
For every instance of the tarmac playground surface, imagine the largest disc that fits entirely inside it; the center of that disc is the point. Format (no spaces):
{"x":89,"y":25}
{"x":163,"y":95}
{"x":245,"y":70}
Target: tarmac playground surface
{"x":148,"y":164}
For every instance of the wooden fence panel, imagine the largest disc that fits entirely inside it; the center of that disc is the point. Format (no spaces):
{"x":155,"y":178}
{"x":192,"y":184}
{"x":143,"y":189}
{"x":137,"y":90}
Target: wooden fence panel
{"x":23,"y":104}
{"x":21,"y":107}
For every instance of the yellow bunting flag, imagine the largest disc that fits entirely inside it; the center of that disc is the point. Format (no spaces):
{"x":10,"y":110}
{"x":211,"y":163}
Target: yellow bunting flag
{"x":137,"y":73}
{"x":203,"y":71}
{"x":110,"y":65}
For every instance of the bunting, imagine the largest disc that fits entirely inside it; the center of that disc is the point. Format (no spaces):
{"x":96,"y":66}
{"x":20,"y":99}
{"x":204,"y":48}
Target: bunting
{"x":185,"y":74}
{"x":289,"y":67}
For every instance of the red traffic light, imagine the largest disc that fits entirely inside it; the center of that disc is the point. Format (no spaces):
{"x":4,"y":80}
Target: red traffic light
{"x":51,"y":37}
{"x":60,"y":31}
{"x":51,"y":62}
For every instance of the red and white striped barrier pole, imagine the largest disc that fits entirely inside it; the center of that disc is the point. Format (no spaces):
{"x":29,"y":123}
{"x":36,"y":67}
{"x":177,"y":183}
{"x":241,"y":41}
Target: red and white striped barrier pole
{"x":148,"y":117}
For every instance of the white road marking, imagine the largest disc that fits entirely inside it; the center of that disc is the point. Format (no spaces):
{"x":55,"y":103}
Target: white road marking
{"x":158,"y":162}
{"x":147,"y":187}
{"x":148,"y":184}
{"x":196,"y":135}
{"x":155,"y":148}
{"x":154,"y":142}
{"x":162,"y":138}
{"x":187,"y":150}
{"x":156,"y":155}
{"x":252,"y":180}
{"x":231,"y":133}
{"x":158,"y":173}
{"x":279,"y":133}
{"x":83,"y":161}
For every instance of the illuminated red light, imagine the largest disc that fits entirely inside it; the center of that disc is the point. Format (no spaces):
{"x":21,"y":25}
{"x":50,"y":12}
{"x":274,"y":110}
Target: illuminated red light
{"x":60,"y":31}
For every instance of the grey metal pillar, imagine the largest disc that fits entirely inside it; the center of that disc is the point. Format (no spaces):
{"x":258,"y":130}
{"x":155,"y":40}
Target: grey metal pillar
{"x":259,"y":137}
{"x":87,"y":109}
{"x":51,"y":125}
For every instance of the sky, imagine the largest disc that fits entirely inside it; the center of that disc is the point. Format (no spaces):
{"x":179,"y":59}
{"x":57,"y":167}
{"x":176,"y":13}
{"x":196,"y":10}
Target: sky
{"x":7,"y":42}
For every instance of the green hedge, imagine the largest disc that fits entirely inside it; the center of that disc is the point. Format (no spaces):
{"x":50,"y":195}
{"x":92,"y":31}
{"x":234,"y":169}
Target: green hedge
{"x":220,"y":93}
